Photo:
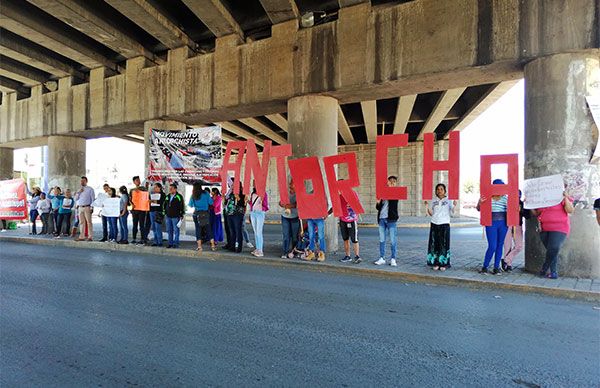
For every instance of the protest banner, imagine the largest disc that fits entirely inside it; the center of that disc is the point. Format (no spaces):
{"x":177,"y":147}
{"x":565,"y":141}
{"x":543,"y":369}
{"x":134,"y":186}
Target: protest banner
{"x":187,"y":156}
{"x":543,"y":192}
{"x":112,"y":207}
{"x":140,"y":200}
{"x":13,"y":200}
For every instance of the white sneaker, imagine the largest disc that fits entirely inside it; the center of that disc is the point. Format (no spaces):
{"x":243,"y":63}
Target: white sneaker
{"x":393,"y":263}
{"x":381,"y":261}
{"x":249,"y":245}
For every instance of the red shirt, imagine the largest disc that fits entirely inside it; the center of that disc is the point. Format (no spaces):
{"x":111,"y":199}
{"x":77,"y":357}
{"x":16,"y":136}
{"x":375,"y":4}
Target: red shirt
{"x":555,"y":219}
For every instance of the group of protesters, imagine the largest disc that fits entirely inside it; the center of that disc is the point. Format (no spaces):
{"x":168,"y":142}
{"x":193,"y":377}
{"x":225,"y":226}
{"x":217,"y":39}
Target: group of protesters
{"x":220,"y":218}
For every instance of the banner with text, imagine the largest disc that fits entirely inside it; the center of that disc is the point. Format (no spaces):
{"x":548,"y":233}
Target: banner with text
{"x":187,"y":155}
{"x":13,"y":200}
{"x":543,"y":192}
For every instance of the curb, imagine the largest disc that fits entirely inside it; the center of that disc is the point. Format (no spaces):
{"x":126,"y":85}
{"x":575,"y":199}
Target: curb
{"x":320,"y":267}
{"x":455,"y":225}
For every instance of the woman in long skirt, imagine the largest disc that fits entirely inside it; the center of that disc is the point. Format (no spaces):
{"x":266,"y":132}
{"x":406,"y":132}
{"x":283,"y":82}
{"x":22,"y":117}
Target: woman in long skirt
{"x":215,"y":215}
{"x":438,"y":252}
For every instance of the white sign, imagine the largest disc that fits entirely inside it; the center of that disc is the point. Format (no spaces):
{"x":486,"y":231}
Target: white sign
{"x":112,"y":207}
{"x":155,"y":196}
{"x":99,"y":200}
{"x":543,"y":192}
{"x":594,"y":104}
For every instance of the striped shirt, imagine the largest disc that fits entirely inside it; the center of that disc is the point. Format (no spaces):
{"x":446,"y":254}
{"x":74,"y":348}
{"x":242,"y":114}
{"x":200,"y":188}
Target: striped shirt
{"x":499,"y":206}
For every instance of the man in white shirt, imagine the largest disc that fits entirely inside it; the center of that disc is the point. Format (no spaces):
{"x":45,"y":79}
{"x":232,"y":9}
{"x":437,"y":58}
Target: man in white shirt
{"x":84,"y":198}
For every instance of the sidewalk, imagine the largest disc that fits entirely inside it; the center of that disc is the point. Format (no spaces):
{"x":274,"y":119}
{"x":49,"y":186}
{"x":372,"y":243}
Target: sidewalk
{"x":467,"y":257}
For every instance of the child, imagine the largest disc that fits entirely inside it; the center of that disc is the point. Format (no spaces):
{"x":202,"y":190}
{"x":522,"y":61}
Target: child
{"x":438,"y":253}
{"x":44,"y":206}
{"x":349,"y":231}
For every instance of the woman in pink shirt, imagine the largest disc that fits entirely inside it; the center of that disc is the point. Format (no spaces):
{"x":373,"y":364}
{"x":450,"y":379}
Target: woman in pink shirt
{"x":215,"y":215}
{"x":554,"y":229}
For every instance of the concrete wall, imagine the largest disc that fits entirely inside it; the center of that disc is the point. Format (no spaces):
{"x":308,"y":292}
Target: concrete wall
{"x":367,"y":54}
{"x":406,"y":163}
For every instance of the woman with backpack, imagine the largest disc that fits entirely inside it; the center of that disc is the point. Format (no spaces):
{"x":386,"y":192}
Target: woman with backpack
{"x":258,"y":207}
{"x":201,"y":201}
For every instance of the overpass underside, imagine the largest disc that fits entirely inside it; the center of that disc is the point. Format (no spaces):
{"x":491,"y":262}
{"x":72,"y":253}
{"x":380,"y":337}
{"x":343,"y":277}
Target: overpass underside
{"x":71,"y":70}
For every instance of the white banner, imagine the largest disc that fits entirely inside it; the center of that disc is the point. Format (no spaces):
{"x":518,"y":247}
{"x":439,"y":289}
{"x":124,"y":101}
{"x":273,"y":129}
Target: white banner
{"x":543,"y":192}
{"x":112,"y":207}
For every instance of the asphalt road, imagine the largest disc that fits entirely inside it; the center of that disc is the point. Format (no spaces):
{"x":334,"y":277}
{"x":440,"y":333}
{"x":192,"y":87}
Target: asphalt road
{"x":72,"y":317}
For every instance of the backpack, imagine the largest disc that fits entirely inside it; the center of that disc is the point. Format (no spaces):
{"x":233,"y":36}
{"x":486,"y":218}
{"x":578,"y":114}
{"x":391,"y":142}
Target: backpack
{"x":265,"y":203}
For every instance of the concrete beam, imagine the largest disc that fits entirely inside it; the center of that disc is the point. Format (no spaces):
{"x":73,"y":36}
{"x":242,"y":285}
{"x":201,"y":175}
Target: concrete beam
{"x":215,"y":16}
{"x":489,"y":98}
{"x":369,"y":111}
{"x":343,"y":128}
{"x":77,"y":15}
{"x":37,"y":29}
{"x":22,"y":50}
{"x":149,"y":18}
{"x":21,"y":72}
{"x":8,"y":85}
{"x":441,"y":109}
{"x":403,"y":111}
{"x":265,"y":130}
{"x":349,"y":3}
{"x":278,"y":120}
{"x":280,"y":10}
{"x":241,"y":132}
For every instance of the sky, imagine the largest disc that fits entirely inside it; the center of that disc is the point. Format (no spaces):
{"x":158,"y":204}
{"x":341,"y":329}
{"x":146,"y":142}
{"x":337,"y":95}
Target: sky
{"x":498,"y":130}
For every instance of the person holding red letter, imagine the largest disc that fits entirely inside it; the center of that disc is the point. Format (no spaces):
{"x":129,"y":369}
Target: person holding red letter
{"x":554,"y":229}
{"x":496,"y":233}
{"x":290,"y":223}
{"x":513,"y":244}
{"x":387,"y":216}
{"x":349,"y":231}
{"x":438,"y":253}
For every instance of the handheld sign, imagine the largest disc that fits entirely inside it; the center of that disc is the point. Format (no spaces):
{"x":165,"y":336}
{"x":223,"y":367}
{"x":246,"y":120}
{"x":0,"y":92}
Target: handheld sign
{"x":140,"y":200}
{"x":112,"y":207}
{"x":13,"y":200}
{"x":543,"y":192}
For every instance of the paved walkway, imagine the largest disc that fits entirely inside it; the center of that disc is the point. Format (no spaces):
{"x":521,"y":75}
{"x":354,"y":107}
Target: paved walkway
{"x":468,"y":248}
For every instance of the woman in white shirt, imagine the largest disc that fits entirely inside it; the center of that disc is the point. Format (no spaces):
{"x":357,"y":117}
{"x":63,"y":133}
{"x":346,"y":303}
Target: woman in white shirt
{"x":438,"y":253}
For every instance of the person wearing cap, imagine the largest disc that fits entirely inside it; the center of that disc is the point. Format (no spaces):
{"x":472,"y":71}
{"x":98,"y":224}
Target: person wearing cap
{"x":495,"y":233}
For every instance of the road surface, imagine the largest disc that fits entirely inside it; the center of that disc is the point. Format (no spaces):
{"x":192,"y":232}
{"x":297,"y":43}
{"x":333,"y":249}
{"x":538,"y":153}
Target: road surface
{"x":73,"y":317}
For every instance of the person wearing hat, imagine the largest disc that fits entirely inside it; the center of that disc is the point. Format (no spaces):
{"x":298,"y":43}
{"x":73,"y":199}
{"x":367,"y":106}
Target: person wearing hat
{"x":495,"y":233}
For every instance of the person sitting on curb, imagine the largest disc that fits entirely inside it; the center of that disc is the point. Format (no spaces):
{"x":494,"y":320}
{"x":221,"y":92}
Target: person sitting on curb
{"x":387,"y":216}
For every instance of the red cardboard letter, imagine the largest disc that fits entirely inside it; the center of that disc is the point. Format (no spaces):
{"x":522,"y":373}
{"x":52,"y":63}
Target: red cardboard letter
{"x":383,"y":191}
{"x":452,"y":165}
{"x":511,"y":188}
{"x":256,"y":169}
{"x":280,"y":153}
{"x":310,"y":205}
{"x":343,"y":186}
{"x":236,"y":166}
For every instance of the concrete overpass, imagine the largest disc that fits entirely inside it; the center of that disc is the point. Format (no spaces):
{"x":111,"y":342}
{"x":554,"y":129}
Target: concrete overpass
{"x":342,"y":71}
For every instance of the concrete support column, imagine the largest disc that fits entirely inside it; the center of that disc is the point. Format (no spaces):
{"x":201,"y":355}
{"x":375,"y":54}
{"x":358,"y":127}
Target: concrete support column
{"x":66,"y":161}
{"x":312,"y":131}
{"x":6,"y":163}
{"x":559,"y":139}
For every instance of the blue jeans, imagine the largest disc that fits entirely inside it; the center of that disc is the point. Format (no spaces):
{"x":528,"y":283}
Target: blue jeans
{"x":112,"y":227}
{"x":236,"y":223}
{"x":552,"y":241}
{"x":123,"y":227}
{"x":173,"y":231}
{"x":290,"y":228}
{"x":156,"y":229}
{"x":258,"y":221}
{"x":320,"y":224}
{"x":104,"y":228}
{"x":33,"y":214}
{"x":387,"y":228}
{"x":495,"y":237}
